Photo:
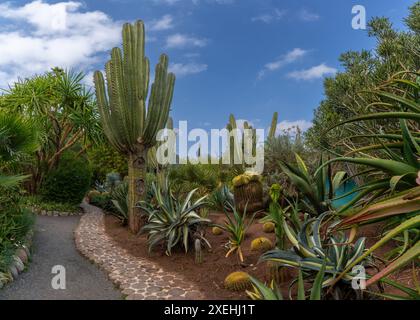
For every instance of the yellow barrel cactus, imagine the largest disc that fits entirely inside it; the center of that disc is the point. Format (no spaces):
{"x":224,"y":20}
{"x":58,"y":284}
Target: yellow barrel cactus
{"x":248,"y":192}
{"x":217,"y":231}
{"x":238,"y":281}
{"x":261,"y":244}
{"x":269,"y":227}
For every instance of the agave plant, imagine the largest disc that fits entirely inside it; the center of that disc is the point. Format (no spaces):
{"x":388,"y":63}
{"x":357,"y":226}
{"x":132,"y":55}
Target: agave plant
{"x":393,"y":159}
{"x":119,"y":197}
{"x":222,"y":199}
{"x":172,"y":221}
{"x":316,"y":191}
{"x":311,"y":253}
{"x":272,"y":292}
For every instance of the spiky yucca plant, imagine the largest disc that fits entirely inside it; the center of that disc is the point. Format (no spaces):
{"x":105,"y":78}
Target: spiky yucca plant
{"x":128,"y":125}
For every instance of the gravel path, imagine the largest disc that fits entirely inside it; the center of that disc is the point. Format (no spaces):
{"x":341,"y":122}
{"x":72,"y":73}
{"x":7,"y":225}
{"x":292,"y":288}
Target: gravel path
{"x":53,"y":244}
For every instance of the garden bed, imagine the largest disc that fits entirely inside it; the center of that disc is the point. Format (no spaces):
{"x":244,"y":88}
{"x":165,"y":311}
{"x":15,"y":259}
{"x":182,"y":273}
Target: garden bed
{"x":210,"y":274}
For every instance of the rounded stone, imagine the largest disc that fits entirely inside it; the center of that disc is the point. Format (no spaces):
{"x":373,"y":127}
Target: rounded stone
{"x":18,"y":264}
{"x":21,"y":253}
{"x":14,"y":271}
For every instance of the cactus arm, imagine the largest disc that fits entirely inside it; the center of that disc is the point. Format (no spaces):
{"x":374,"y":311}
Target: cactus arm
{"x":274,"y":120}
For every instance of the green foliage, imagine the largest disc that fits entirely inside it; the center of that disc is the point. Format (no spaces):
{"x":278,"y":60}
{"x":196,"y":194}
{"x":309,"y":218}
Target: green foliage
{"x":172,"y":221}
{"x":263,"y":292}
{"x":204,"y":177}
{"x":69,"y":182}
{"x":15,"y":223}
{"x":236,"y":225}
{"x":221,"y":199}
{"x":119,"y":198}
{"x":334,"y":255}
{"x":60,"y":108}
{"x":39,"y":203}
{"x":105,"y":159}
{"x":349,"y":93}
{"x":104,"y":201}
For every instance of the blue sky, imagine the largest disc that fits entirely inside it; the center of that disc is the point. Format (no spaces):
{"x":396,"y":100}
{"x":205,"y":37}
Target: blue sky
{"x":246,"y":57}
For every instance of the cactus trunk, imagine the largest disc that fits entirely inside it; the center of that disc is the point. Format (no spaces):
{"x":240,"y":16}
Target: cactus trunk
{"x":136,"y":188}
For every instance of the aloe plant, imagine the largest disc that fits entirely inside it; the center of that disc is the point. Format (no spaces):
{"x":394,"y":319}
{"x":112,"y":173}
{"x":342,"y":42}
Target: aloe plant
{"x":129,"y":126}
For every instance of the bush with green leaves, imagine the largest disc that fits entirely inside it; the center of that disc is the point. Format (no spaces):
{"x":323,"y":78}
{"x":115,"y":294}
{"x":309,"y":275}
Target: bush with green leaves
{"x":69,"y":182}
{"x":172,"y":221}
{"x":15,"y":223}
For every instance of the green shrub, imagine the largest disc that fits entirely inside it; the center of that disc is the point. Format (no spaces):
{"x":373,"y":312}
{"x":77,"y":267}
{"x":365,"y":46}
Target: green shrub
{"x":69,"y":182}
{"x":105,"y":159}
{"x":103,"y":201}
{"x":15,"y":223}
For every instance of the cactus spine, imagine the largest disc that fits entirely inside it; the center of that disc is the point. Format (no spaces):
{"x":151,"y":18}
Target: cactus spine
{"x":129,"y":126}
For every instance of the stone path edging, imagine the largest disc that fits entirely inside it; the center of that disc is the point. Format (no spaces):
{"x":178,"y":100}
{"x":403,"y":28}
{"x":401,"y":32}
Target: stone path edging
{"x":138,"y":278}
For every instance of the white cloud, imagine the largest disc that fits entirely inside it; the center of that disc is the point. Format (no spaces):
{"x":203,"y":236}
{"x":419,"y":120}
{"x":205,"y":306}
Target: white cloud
{"x":291,"y":126}
{"x":269,"y":17}
{"x":308,"y":16}
{"x":41,"y":36}
{"x":164,"y":23}
{"x":313,"y":73}
{"x":184,"y":69}
{"x":179,"y":40}
{"x":286,"y":59}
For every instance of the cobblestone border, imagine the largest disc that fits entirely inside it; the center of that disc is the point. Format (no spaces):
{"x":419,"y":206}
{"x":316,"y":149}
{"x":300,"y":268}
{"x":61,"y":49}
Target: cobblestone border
{"x":42,"y":212}
{"x":137,"y":278}
{"x":20,"y":260}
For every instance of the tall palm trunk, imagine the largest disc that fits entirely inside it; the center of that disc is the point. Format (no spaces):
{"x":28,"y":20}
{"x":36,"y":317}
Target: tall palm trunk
{"x":136,"y":188}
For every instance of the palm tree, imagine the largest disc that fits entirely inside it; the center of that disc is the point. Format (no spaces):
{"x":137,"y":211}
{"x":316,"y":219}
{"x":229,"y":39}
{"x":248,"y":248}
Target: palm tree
{"x":18,"y":137}
{"x":127,"y":125}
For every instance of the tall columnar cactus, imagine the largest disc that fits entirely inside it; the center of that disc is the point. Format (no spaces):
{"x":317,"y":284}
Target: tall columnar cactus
{"x":273,"y":128}
{"x":128,"y":125}
{"x":237,"y":146}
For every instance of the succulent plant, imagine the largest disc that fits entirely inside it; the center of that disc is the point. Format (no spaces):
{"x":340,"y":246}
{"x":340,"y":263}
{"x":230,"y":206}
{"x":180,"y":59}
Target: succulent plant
{"x":269,"y":227}
{"x":261,"y":244}
{"x":248,"y":192}
{"x":217,"y":231}
{"x":129,"y":125}
{"x":238,"y":281}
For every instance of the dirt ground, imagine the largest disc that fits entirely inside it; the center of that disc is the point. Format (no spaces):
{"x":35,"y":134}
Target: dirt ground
{"x":209,"y":275}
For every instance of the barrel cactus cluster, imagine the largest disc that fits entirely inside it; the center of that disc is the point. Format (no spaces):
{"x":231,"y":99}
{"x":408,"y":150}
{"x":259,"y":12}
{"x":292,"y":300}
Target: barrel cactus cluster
{"x":248,"y":192}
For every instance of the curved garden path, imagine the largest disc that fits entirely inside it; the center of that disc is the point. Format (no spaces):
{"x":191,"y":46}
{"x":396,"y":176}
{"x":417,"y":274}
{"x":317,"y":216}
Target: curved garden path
{"x":138,"y":278}
{"x":53,"y":244}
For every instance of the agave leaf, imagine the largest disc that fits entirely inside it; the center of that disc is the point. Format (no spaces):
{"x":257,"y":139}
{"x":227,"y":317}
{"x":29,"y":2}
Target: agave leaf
{"x":413,"y":106}
{"x":380,"y":116}
{"x":410,"y":223}
{"x":316,"y":290}
{"x":338,"y":179}
{"x":408,"y":256}
{"x":301,"y":287}
{"x":389,"y":207}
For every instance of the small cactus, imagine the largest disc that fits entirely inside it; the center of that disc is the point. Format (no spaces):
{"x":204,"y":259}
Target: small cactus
{"x":238,"y":281}
{"x":198,"y":251}
{"x":269,"y":227}
{"x":217,"y":231}
{"x":248,"y":192}
{"x":261,"y":244}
